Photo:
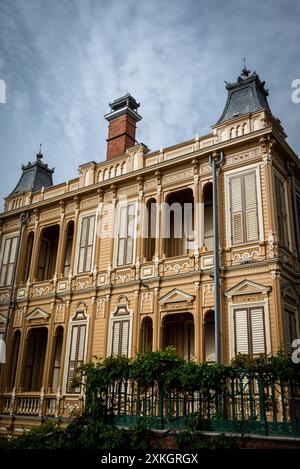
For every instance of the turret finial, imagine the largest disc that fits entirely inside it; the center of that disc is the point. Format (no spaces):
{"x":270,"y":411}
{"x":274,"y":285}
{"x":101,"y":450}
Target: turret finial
{"x":39,"y":155}
{"x":245,"y":72}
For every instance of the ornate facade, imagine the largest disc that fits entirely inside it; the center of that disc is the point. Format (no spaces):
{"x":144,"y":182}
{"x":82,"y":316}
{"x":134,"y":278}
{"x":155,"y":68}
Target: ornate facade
{"x":101,"y":268}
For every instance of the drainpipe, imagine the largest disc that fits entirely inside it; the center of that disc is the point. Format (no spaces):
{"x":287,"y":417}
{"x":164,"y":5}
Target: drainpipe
{"x":215,"y":161}
{"x":23,"y":220}
{"x":295,"y":211}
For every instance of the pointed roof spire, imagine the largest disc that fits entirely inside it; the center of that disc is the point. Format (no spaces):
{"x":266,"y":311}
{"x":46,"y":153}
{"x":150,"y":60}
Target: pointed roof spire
{"x":248,"y":94}
{"x":34,"y":176}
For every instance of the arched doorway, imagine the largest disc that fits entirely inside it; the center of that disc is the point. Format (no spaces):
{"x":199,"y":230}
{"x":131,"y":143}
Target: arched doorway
{"x":146,"y":334}
{"x":209,"y":336}
{"x":35,"y":358}
{"x":178,"y":331}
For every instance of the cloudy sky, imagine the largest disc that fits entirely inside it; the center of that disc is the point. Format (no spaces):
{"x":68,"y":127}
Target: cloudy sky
{"x":63,"y":61}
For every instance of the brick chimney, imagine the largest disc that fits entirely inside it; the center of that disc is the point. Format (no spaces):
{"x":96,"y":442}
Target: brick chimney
{"x":122,"y":125}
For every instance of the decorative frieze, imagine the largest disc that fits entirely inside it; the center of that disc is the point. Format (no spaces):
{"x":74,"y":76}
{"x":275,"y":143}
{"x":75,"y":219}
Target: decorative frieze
{"x":178,"y":176}
{"x":42,"y":289}
{"x":243,"y":156}
{"x":87,"y":203}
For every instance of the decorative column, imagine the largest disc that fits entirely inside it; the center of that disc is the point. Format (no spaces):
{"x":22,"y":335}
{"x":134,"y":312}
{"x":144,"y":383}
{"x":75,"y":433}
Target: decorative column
{"x":159,"y":220}
{"x":113,"y":224}
{"x":278,"y":311}
{"x":106,"y":326}
{"x":35,"y":248}
{"x":198,"y":324}
{"x":196,"y":195}
{"x":61,"y":242}
{"x":21,"y":355}
{"x":64,"y":350}
{"x":140,"y":221}
{"x":49,"y":350}
{"x":98,"y":229}
{"x":73,"y":268}
{"x":266,"y":145}
{"x":136,"y":322}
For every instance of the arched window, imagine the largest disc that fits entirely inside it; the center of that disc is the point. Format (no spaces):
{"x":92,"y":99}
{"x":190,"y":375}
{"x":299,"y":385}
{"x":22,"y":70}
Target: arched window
{"x":208,"y":216}
{"x":146,"y":335}
{"x":28,"y":256}
{"x":14,"y":358}
{"x":179,"y":223}
{"x":56,"y":367}
{"x":35,"y":358}
{"x":105,"y":174}
{"x":150,"y":232}
{"x":68,"y":249}
{"x":124,"y":168}
{"x":118,"y":170}
{"x":99,"y":178}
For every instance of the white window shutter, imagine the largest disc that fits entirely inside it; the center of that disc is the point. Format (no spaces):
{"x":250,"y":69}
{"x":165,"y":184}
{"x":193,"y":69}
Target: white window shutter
{"x":76,"y":355}
{"x":115,"y":338}
{"x":241,"y":331}
{"x":125,"y":338}
{"x":236,"y":209}
{"x":251,"y":206}
{"x":257,"y":331}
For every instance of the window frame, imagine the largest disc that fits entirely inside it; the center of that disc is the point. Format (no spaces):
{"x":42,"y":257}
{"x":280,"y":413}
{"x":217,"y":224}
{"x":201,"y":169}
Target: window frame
{"x":260,"y":224}
{"x":249,"y":329}
{"x":288,"y":242}
{"x":78,"y":241}
{"x":5,"y":238}
{"x":74,"y":321}
{"x":121,"y":206}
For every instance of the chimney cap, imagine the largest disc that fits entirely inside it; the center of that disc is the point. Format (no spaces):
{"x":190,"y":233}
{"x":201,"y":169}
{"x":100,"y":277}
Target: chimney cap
{"x":124,"y":105}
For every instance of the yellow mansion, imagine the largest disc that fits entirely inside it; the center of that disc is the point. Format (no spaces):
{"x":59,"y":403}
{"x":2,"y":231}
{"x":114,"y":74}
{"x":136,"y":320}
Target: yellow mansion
{"x":120,"y":260}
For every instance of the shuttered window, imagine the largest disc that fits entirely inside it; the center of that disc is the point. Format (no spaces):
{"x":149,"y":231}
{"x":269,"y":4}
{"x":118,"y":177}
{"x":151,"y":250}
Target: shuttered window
{"x":243,"y":208}
{"x":8,"y":259}
{"x":290,"y":329}
{"x":76,"y":355}
{"x":86,"y":244}
{"x":126,"y":228}
{"x":120,"y":337}
{"x":281,"y":211}
{"x":249,"y":331}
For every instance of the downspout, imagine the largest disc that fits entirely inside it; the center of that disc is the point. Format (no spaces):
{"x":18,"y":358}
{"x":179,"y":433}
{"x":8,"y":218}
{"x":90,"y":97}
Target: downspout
{"x":295,"y":211}
{"x":23,"y":220}
{"x":215,"y":161}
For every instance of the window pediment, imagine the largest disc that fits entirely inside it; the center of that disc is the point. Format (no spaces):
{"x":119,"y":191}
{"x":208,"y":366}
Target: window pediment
{"x":37,"y":313}
{"x":247,"y":287}
{"x":175,"y":296}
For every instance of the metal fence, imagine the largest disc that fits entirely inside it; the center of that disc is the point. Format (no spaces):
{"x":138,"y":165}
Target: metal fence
{"x":247,"y":403}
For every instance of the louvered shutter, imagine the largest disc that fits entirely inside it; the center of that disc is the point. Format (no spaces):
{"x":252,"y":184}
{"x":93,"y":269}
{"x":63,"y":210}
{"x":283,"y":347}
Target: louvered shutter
{"x":115,"y":337}
{"x":125,"y":338}
{"x":236,"y":209}
{"x":257,"y":322}
{"x":241,"y":331}
{"x":251,"y":206}
{"x":290,"y":329}
{"x":76,"y":356}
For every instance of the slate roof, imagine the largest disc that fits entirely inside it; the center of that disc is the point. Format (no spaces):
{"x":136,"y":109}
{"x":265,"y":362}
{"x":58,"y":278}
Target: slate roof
{"x":34,"y":176}
{"x":248,"y":94}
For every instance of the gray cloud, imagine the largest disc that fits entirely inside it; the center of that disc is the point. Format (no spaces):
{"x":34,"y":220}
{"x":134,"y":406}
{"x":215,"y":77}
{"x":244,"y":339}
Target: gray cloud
{"x":64,"y":61}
